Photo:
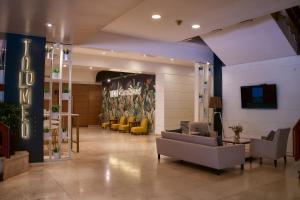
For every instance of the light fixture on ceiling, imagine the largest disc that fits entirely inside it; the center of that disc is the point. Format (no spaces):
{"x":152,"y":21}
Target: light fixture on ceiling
{"x":195,"y":26}
{"x":49,"y":25}
{"x":108,"y":80}
{"x":156,"y":16}
{"x":172,"y":59}
{"x":104,"y":53}
{"x":207,"y":63}
{"x":91,"y":68}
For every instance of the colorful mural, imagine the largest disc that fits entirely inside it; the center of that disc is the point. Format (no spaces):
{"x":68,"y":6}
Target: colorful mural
{"x":130,"y":96}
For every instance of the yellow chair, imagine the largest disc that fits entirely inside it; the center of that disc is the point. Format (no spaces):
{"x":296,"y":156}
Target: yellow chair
{"x":143,"y":129}
{"x":106,"y":125}
{"x":126,"y":127}
{"x":115,"y":127}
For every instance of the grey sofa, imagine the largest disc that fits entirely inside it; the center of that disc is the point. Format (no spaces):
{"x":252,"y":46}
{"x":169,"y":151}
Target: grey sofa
{"x":200,"y":150}
{"x":275,"y":149}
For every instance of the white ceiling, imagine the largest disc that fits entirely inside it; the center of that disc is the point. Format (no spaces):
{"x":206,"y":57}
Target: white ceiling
{"x":73,"y":21}
{"x":257,"y":40}
{"x":210,"y":14}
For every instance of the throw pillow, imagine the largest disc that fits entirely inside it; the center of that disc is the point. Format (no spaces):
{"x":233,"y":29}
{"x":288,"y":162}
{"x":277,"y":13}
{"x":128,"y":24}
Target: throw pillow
{"x":270,"y":136}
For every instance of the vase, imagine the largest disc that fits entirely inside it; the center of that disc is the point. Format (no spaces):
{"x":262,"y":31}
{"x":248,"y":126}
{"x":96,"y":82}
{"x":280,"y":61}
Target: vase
{"x":66,"y":57}
{"x":56,"y":155}
{"x":65,"y":96}
{"x":236,"y":135}
{"x":55,"y":75}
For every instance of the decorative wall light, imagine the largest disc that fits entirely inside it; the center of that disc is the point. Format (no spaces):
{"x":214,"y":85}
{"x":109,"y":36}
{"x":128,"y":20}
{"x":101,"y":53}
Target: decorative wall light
{"x":26,"y":80}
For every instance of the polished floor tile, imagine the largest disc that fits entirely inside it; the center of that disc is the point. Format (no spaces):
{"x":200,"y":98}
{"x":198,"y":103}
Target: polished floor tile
{"x":113,"y":166}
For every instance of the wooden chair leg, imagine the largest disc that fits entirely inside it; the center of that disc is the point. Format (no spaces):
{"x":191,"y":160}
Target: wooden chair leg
{"x":260,"y":161}
{"x":275,"y":163}
{"x":242,"y":167}
{"x":284,"y":160}
{"x":158,"y":156}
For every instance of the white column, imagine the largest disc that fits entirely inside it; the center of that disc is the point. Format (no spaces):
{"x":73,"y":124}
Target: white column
{"x":196,"y":92}
{"x":159,"y":103}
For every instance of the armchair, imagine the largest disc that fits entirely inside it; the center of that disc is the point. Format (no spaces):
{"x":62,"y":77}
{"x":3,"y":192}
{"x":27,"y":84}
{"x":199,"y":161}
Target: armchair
{"x":274,"y":149}
{"x":142,"y":129}
{"x":106,"y":125}
{"x":126,"y":127}
{"x":115,"y":127}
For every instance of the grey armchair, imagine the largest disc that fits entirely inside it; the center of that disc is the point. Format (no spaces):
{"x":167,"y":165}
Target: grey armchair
{"x":275,"y":149}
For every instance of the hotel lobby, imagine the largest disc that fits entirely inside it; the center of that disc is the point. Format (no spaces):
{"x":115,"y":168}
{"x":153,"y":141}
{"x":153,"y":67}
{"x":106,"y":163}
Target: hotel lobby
{"x":149,"y":99}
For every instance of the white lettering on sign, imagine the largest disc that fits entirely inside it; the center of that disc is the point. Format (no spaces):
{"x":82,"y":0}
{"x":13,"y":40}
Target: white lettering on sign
{"x":128,"y":92}
{"x":26,"y":80}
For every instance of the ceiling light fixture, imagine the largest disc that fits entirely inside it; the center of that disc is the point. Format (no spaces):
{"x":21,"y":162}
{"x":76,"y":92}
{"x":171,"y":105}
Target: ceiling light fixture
{"x":91,"y":68}
{"x":207,"y":63}
{"x":49,"y":25}
{"x":156,"y":16}
{"x":172,"y":59}
{"x":108,"y":80}
{"x":195,"y":26}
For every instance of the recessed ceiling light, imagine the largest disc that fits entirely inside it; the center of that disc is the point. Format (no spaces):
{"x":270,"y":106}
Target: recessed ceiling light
{"x":108,"y":80}
{"x":207,"y":63}
{"x":91,"y":68}
{"x":195,"y":26}
{"x":172,"y":59}
{"x":156,"y":16}
{"x":49,"y":25}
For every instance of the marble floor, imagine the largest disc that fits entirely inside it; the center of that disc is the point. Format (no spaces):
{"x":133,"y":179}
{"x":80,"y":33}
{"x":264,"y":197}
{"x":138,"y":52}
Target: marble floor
{"x":120,"y":166}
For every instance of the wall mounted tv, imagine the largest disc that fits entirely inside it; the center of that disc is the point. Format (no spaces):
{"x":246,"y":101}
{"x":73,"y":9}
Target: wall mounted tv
{"x":259,"y":96}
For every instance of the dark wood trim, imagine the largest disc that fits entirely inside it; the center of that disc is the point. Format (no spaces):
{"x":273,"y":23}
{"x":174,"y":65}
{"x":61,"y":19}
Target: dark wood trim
{"x":1,"y":87}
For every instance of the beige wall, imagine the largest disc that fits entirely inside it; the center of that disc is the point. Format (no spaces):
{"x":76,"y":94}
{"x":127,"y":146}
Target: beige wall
{"x":174,"y":86}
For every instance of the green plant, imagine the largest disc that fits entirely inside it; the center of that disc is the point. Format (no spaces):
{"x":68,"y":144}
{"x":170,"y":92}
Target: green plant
{"x":10,"y":115}
{"x":55,"y":70}
{"x":56,"y":150}
{"x":66,"y":90}
{"x":48,"y":49}
{"x":46,"y":130}
{"x":55,"y":108}
{"x":46,"y":90}
{"x":236,"y":129}
{"x":64,"y":129}
{"x":66,"y":51}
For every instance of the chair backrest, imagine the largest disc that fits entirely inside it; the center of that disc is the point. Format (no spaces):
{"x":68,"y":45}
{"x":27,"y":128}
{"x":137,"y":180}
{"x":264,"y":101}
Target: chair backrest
{"x":123,"y":120}
{"x":131,"y":119}
{"x":199,"y":127}
{"x":144,"y":123}
{"x":280,"y":139}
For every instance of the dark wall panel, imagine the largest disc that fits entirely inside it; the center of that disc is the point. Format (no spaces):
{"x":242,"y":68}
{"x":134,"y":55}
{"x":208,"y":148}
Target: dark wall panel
{"x":14,"y":55}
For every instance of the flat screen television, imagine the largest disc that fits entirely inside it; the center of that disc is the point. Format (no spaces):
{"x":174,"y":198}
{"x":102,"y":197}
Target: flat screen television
{"x":259,"y":96}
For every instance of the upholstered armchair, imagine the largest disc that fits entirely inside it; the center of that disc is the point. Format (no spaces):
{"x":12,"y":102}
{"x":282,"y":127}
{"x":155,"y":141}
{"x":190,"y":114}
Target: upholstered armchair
{"x":271,"y":149}
{"x":142,"y":129}
{"x":126,"y":127}
{"x":106,"y":125}
{"x":122,"y":121}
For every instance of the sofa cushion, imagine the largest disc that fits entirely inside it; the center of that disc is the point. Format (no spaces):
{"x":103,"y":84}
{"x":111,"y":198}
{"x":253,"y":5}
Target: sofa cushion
{"x":270,"y":136}
{"x":208,"y":141}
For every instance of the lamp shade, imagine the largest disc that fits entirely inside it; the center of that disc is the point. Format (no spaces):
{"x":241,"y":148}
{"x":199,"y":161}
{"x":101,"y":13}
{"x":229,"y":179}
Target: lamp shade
{"x":215,"y":102}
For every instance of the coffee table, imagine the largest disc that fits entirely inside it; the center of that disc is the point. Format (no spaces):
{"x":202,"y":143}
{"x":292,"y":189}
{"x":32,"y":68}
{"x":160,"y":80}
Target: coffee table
{"x":232,"y":140}
{"x":245,"y":141}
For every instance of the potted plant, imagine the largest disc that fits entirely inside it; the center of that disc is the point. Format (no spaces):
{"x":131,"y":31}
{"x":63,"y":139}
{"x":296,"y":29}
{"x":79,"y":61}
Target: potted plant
{"x":66,"y":53}
{"x":237,"y":130}
{"x":65,"y":94}
{"x":55,"y":73}
{"x":47,"y":135}
{"x":49,"y":52}
{"x":55,"y":112}
{"x":56,"y":153}
{"x":46,"y":93}
{"x":64,"y":133}
{"x":10,"y":115}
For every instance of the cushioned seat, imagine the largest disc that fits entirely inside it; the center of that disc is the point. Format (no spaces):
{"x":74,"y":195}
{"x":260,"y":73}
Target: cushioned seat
{"x":125,"y":127}
{"x":142,"y":129}
{"x":106,"y":125}
{"x":115,"y":127}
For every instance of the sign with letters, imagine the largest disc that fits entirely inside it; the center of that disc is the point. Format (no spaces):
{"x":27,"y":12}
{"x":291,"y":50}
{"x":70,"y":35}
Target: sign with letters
{"x":26,"y":81}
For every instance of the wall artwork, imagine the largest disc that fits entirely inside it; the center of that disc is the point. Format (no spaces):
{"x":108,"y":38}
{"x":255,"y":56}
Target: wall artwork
{"x":132,"y":95}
